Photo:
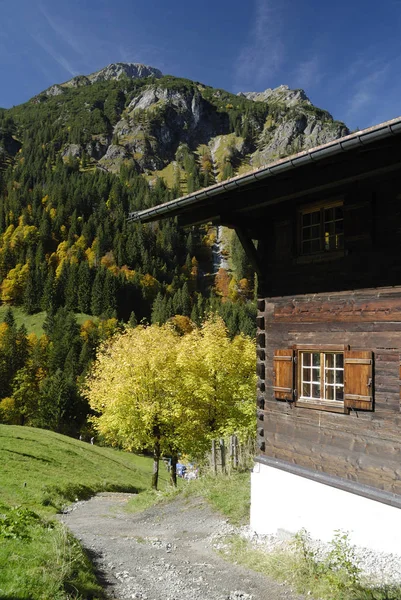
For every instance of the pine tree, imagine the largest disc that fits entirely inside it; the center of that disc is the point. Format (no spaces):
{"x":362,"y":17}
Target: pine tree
{"x":185,"y":300}
{"x":9,"y":317}
{"x":97,"y":293}
{"x":30,"y":303}
{"x":47,"y":302}
{"x":84,"y":287}
{"x":133,"y":320}
{"x":71,"y":288}
{"x":159,"y":313}
{"x":110,"y":294}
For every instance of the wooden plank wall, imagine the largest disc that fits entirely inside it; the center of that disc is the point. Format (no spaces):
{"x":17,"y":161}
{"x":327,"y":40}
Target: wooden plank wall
{"x":353,"y":299}
{"x":362,"y":446}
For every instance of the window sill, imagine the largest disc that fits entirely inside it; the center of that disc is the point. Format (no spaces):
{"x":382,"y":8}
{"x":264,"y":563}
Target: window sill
{"x":320,"y":257}
{"x":338,"y":407}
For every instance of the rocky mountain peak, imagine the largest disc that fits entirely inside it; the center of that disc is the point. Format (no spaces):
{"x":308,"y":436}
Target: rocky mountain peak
{"x":113,"y":71}
{"x":118,"y":70}
{"x":281,"y":93}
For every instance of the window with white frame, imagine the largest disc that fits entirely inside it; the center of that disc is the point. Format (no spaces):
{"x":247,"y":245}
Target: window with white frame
{"x":321,"y":377}
{"x":337,"y":378}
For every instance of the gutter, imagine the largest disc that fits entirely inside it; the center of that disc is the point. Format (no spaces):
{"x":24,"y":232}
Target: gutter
{"x":345,"y":144}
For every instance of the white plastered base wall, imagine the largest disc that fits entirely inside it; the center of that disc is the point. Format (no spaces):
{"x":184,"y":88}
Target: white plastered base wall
{"x":284,"y":502}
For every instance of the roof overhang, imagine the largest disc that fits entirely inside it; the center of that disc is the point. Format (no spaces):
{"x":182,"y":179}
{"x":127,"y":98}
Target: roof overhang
{"x":357,"y":156}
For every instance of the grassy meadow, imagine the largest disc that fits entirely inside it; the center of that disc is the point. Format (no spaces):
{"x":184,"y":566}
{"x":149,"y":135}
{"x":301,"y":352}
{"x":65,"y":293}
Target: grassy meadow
{"x":34,"y":323}
{"x":42,"y":471}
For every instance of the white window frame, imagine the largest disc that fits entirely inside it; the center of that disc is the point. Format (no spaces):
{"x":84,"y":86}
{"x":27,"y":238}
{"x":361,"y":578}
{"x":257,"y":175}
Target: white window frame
{"x":318,"y":377}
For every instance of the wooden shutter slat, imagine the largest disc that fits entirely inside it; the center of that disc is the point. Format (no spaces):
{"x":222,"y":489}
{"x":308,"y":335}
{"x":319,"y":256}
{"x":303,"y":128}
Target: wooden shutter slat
{"x":359,"y":397}
{"x":283,"y":374}
{"x":358,"y":361}
{"x":358,"y":378}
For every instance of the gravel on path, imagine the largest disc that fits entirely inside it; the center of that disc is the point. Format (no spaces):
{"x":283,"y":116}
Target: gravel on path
{"x":164,"y":553}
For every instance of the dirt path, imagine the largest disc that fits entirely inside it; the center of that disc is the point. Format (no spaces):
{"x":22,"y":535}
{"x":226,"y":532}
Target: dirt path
{"x":164,"y":553}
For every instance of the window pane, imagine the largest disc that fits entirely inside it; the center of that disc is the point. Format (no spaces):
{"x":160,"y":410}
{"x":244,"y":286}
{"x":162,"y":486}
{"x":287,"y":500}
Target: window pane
{"x":316,"y":359}
{"x":330,"y":228}
{"x":339,"y":361}
{"x":328,"y":214}
{"x":306,"y":373}
{"x":306,"y":390}
{"x":329,"y":392}
{"x":316,"y":232}
{"x":340,"y":393}
{"x":338,"y":212}
{"x":315,"y":246}
{"x":316,"y":391}
{"x":330,"y":376}
{"x":306,"y":219}
{"x":306,"y":248}
{"x":339,"y":226}
{"x":329,"y":361}
{"x":306,"y":358}
{"x":340,"y":240}
{"x":316,"y":375}
{"x":315,"y":217}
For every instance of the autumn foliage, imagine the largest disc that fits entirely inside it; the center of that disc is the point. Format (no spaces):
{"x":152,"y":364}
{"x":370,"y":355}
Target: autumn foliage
{"x":153,"y":389}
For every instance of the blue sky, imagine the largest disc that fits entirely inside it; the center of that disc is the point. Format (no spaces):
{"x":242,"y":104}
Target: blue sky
{"x":345,"y":54}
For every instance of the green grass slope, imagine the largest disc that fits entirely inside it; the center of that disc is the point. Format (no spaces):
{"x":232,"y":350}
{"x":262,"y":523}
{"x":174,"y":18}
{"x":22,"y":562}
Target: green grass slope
{"x":42,"y":471}
{"x":34,"y":323}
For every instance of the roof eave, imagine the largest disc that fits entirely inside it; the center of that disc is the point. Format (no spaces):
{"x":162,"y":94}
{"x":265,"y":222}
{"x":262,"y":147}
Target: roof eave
{"x":296,"y":161}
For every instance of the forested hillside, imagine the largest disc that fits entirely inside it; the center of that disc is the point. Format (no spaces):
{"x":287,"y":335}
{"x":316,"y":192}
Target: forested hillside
{"x":74,"y":161}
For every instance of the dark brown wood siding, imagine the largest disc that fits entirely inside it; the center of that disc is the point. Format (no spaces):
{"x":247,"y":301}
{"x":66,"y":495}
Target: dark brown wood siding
{"x":372,"y":240}
{"x":361,"y":446}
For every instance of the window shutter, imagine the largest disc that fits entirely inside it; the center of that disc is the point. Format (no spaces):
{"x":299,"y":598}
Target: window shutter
{"x":358,"y":379}
{"x":283,"y":375}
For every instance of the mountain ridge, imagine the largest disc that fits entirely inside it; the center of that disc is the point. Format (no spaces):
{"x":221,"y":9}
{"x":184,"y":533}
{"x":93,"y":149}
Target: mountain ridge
{"x":113,"y":71}
{"x":129,"y":113}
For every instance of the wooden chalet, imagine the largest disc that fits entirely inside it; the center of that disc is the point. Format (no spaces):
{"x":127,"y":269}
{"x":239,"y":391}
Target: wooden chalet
{"x":322,"y":229}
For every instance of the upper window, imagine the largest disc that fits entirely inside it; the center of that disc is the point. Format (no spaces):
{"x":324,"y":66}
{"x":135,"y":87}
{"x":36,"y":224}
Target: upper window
{"x":322,"y":228}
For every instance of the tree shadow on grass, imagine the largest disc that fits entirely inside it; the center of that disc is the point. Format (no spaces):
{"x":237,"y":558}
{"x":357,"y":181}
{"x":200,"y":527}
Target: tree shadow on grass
{"x":101,"y":577}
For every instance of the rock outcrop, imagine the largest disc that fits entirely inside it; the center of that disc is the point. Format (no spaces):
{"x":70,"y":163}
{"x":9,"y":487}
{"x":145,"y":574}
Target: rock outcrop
{"x":280,"y":94}
{"x":130,"y":70}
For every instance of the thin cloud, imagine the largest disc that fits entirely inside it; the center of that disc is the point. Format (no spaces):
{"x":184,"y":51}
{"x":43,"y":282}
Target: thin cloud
{"x":62,"y":32}
{"x":259,"y":60}
{"x":308,"y":74}
{"x":366,"y":90}
{"x":56,"y":56}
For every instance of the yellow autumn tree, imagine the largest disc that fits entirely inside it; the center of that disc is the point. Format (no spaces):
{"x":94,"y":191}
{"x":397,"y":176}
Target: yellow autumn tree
{"x":134,"y":389}
{"x":154,"y":389}
{"x":218,"y":376}
{"x":12,"y":287}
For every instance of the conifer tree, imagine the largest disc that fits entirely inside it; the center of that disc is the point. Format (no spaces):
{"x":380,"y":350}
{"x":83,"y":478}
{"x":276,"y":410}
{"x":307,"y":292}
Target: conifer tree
{"x":132,"y":322}
{"x":30,"y":303}
{"x":109,"y":294}
{"x":97,"y":293}
{"x":84,"y":287}
{"x":48,"y":298}
{"x":71,"y":288}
